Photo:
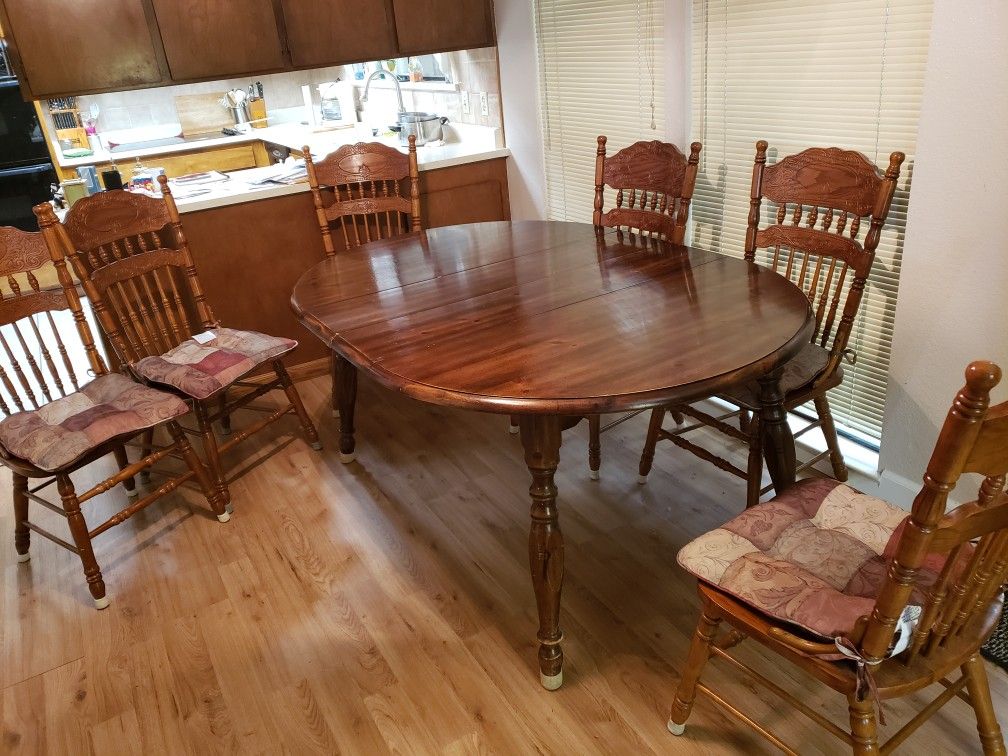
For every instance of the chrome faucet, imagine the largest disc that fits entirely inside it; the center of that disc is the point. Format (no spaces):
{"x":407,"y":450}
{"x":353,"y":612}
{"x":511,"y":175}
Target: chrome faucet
{"x":398,"y":89}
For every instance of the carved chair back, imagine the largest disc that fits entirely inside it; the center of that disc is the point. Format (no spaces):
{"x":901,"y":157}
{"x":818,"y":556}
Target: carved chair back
{"x":967,"y":546}
{"x":654,"y":186}
{"x":359,"y":189}
{"x":132,"y":258}
{"x":837,"y":194}
{"x":36,"y":366}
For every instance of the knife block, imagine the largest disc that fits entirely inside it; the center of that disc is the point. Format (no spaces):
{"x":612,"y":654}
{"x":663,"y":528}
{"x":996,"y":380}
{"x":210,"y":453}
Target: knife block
{"x":257,"y":113}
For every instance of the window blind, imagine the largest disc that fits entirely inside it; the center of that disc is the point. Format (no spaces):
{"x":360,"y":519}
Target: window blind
{"x":600,"y":72}
{"x":804,"y":73}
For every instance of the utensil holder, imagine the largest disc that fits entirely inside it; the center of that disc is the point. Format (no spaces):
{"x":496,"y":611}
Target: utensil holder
{"x":239,"y":114}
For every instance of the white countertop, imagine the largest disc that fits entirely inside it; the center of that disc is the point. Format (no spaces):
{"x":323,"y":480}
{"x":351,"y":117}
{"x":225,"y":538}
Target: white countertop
{"x":466,"y":144}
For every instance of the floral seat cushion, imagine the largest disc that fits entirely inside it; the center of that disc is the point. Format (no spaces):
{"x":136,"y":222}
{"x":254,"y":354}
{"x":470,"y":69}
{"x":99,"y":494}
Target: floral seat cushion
{"x":815,"y":556}
{"x":201,"y":370}
{"x":60,"y":432}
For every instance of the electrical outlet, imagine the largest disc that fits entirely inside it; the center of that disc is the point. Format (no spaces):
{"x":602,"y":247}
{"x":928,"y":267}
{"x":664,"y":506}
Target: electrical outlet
{"x":484,"y":104}
{"x":465,"y":102}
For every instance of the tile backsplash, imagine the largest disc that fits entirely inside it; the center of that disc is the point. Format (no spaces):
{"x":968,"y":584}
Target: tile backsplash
{"x":472,"y":71}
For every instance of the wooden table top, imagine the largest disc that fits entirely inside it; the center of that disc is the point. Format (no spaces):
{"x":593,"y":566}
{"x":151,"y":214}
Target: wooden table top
{"x":550,"y":317}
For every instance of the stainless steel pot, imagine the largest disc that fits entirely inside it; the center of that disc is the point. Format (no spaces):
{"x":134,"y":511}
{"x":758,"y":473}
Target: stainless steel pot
{"x":425,"y":126}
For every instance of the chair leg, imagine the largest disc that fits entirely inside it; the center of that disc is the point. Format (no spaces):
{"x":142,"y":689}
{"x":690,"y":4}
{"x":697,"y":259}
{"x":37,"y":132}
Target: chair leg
{"x":212,"y":453}
{"x":81,"y":539}
{"x":346,"y":397}
{"x":829,"y":432}
{"x":225,"y":419}
{"x":743,"y":421}
{"x":334,"y":373}
{"x":206,"y":483}
{"x":147,"y":443}
{"x":991,"y":739}
{"x":22,"y":535}
{"x":647,"y":456}
{"x":594,"y":445}
{"x":864,"y":728}
{"x":294,"y":397}
{"x":699,"y":653}
{"x":123,"y":461}
{"x":754,"y":470}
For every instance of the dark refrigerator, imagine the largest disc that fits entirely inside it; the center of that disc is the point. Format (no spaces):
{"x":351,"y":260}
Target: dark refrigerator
{"x":26,"y":173}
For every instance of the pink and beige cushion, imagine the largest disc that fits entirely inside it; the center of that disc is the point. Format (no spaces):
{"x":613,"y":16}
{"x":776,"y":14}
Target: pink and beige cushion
{"x":814,"y":556}
{"x":201,"y":370}
{"x":65,"y":429}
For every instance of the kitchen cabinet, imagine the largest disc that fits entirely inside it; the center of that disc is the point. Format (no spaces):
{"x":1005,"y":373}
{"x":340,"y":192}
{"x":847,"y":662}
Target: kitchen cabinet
{"x":323,"y":32}
{"x":425,"y":26}
{"x":213,"y":39}
{"x":72,"y":47}
{"x":61,"y":47}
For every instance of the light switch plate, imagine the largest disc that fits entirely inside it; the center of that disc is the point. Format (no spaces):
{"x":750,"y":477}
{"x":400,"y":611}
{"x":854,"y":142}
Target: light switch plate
{"x":484,"y":104}
{"x":465,"y":102}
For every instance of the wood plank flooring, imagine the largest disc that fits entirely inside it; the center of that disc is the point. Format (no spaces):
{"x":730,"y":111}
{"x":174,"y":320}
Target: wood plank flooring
{"x":385,"y":607}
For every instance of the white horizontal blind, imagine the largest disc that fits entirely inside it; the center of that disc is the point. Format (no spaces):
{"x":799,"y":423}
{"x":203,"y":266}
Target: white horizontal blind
{"x":804,"y":73}
{"x":600,"y":72}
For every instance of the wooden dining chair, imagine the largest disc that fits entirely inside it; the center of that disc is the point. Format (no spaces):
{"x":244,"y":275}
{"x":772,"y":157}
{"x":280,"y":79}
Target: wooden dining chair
{"x":654,"y":184}
{"x":831,"y":206}
{"x":133,"y":261}
{"x":56,"y":422}
{"x":871,"y":601}
{"x":362,"y":192}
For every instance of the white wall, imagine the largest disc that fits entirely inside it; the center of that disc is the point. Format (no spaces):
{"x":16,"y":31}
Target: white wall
{"x":519,"y":82}
{"x":953,"y":295}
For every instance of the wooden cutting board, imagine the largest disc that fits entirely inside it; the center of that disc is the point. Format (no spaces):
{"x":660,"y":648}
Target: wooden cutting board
{"x":202,"y":114}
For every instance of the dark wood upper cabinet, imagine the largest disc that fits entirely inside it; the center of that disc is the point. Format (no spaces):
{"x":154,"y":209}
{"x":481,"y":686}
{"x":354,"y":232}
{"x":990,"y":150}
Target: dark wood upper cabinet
{"x":214,"y":39}
{"x":328,"y":32}
{"x":425,"y":26}
{"x":70,"y":47}
{"x":65,"y":47}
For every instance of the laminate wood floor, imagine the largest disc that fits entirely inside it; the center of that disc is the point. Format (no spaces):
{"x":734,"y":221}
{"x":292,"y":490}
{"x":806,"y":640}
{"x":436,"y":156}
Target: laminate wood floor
{"x":386,"y":606}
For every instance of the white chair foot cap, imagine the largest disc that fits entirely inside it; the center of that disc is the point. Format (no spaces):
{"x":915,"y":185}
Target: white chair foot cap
{"x":593,"y":474}
{"x":335,"y":413}
{"x":641,"y":480}
{"x":102,"y":602}
{"x":224,"y":517}
{"x":317,"y":445}
{"x":513,"y":430}
{"x":551,"y":682}
{"x":132,"y":494}
{"x":676,"y":729}
{"x":226,"y":431}
{"x":22,"y":558}
{"x":346,"y":459}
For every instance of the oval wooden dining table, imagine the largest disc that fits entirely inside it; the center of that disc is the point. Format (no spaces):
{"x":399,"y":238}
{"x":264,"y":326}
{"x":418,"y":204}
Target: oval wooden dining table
{"x":553,"y":321}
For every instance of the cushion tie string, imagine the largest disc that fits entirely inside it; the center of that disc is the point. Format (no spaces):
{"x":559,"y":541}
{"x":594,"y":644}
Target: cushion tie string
{"x":866,"y":684}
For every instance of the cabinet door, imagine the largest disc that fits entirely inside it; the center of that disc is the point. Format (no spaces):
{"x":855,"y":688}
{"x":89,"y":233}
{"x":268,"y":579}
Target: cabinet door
{"x":425,"y":26}
{"x":80,"y":46}
{"x":219,"y":38}
{"x":328,"y":32}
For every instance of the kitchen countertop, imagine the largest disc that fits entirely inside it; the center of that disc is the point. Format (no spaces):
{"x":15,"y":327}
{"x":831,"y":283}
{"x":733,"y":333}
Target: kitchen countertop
{"x":466,"y":144}
{"x":238,"y":189}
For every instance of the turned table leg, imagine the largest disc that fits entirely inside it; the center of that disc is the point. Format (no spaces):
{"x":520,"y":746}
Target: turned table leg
{"x":345,"y":393}
{"x":540,"y":435}
{"x":778,"y":443}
